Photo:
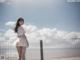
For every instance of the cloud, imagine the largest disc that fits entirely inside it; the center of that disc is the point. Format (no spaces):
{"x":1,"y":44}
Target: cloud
{"x":52,"y":37}
{"x":10,"y":24}
{"x":2,"y":1}
{"x":32,"y":3}
{"x":26,"y":1}
{"x":37,"y":3}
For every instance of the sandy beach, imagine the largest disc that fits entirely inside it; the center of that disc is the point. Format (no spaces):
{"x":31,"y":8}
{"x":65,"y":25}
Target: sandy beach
{"x":49,"y":54}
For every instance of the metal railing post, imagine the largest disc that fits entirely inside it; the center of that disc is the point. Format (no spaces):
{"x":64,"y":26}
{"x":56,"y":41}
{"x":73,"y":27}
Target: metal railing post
{"x":41,"y":49}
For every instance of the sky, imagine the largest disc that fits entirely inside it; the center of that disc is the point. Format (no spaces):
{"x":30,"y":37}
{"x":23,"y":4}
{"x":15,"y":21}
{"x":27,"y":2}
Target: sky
{"x":47,"y":13}
{"x":55,"y":21}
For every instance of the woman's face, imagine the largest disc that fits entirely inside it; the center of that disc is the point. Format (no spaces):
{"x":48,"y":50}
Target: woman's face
{"x":21,"y":22}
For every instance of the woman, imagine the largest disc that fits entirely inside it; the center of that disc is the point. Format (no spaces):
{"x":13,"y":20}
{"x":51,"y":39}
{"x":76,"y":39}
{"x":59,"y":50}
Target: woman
{"x":22,"y":44}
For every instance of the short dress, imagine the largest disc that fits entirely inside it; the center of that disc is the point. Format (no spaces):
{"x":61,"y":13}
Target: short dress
{"x":22,"y":39}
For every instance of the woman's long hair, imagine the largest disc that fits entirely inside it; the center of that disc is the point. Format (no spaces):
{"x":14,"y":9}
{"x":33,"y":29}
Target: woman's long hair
{"x":17,"y":24}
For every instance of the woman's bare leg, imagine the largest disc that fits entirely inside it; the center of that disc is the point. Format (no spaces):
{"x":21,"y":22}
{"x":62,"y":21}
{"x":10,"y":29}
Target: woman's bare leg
{"x":19,"y":49}
{"x":23,"y":53}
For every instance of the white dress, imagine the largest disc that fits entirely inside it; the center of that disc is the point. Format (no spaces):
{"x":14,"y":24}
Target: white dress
{"x":22,"y":38}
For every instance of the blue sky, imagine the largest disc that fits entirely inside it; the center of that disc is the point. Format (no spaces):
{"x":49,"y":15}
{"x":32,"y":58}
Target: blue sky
{"x":47,"y":20}
{"x":42,"y":13}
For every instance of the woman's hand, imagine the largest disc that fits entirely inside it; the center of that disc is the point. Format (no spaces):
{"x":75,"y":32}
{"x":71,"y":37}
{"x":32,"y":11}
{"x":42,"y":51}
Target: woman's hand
{"x":27,"y":42}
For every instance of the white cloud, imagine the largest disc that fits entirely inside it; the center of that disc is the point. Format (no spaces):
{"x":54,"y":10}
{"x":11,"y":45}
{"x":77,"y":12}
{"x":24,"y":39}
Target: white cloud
{"x":32,"y":3}
{"x":10,"y":24}
{"x":8,"y":2}
{"x":2,"y":1}
{"x":51,"y":37}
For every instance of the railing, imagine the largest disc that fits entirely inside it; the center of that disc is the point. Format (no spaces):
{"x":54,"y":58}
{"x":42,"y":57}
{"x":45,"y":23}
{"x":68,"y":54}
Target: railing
{"x":44,"y":54}
{"x":41,"y":49}
{"x":4,"y":57}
